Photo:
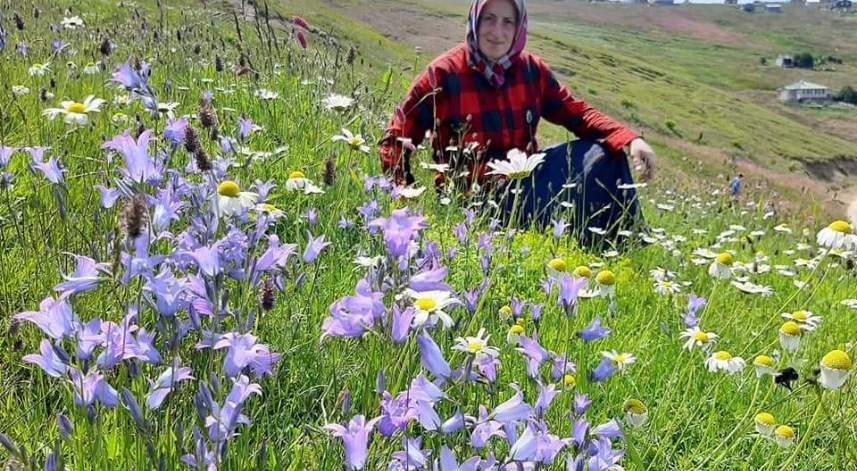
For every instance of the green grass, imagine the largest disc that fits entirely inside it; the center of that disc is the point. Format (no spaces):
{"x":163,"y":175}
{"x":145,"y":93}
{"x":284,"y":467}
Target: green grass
{"x":697,"y":419}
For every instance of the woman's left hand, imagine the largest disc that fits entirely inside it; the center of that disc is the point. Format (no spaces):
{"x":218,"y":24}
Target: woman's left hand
{"x":644,"y":158}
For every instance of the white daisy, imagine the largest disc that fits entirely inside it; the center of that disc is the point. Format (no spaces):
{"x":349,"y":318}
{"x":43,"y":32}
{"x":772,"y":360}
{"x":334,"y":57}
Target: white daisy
{"x":805,"y":319}
{"x":477,"y":345}
{"x":270,"y":209}
{"x":721,"y":267}
{"x":431,"y":304}
{"x":517,"y":165}
{"x":838,"y":235}
{"x":784,"y":436}
{"x":355,"y":141}
{"x":440,"y":168}
{"x":75,"y":112}
{"x":72,"y":22}
{"x":698,"y":338}
{"x":514,"y":336}
{"x":782,"y":229}
{"x":790,"y":336}
{"x":636,"y":413}
{"x":20,"y":90}
{"x":751,"y":288}
{"x":231,"y":201}
{"x":835,"y":369}
{"x":297,"y":181}
{"x":764,"y":365}
{"x":724,"y":361}
{"x":667,"y":287}
{"x":765,"y":424}
{"x":91,"y":68}
{"x":620,"y":361}
{"x":410,"y":193}
{"x":38,"y":69}
{"x":265,"y":94}
{"x":337,"y":102}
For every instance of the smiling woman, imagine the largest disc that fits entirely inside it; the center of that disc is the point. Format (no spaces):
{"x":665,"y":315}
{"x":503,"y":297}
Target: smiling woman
{"x":483,"y":100}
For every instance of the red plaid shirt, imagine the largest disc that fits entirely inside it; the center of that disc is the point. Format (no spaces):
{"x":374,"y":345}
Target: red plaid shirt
{"x":453,"y":105}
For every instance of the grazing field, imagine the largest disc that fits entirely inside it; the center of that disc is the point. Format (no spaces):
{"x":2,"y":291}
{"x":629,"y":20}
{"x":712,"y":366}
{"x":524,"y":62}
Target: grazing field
{"x":203,"y":267}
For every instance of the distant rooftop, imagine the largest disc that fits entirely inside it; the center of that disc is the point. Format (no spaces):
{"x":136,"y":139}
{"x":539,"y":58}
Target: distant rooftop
{"x":804,"y":85}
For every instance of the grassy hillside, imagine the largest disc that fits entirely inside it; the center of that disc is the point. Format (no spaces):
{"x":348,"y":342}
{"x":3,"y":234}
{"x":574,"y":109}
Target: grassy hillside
{"x":697,"y":66}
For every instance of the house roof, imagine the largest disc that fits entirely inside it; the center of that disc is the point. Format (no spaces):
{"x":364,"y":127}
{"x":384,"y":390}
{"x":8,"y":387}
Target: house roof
{"x":804,"y":85}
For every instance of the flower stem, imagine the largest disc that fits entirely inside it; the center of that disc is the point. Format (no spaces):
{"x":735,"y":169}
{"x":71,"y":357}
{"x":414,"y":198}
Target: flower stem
{"x":815,"y":417}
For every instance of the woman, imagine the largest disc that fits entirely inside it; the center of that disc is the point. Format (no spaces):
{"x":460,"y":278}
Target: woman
{"x":486,"y":96}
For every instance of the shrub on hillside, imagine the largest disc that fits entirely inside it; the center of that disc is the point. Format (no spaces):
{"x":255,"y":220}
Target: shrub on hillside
{"x":848,"y":95}
{"x":803,"y":60}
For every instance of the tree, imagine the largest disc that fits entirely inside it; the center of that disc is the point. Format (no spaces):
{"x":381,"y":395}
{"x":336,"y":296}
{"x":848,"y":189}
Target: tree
{"x":804,"y":60}
{"x":848,"y":95}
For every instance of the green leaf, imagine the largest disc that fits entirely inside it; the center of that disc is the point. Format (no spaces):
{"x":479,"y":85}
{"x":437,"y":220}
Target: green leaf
{"x":388,"y":76}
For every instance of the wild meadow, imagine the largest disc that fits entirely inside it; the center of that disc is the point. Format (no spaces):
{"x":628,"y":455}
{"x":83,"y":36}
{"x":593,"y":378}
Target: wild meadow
{"x":203,"y":267}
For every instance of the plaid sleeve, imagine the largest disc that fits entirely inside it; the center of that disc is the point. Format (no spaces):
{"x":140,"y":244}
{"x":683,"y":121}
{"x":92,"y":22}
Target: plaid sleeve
{"x":561,"y":108}
{"x":411,"y":119}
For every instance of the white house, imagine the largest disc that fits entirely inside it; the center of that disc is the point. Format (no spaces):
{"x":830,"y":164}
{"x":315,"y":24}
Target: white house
{"x":803,"y":90}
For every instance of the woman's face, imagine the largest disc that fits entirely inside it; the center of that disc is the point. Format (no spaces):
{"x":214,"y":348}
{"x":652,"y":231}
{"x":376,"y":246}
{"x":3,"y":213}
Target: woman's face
{"x":497,"y":25}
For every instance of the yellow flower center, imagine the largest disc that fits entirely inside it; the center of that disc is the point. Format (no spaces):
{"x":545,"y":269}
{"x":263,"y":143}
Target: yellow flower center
{"x":267,"y":207}
{"x":296,"y":174}
{"x":763,"y":360}
{"x":76,"y":108}
{"x":723,"y":355}
{"x":558,"y":264}
{"x":666,"y":284}
{"x":619,"y":359}
{"x":799,"y":315}
{"x":516,"y":329}
{"x":784,"y":431}
{"x":37,"y":65}
{"x":837,"y":360}
{"x":356,"y":141}
{"x":635,"y":407}
{"x":726,"y":258}
{"x":228,"y":188}
{"x":606,"y":277}
{"x":518,"y":175}
{"x":790,"y":328}
{"x":840,"y":226}
{"x":90,"y":64}
{"x":765,"y":418}
{"x":425,"y":304}
{"x":583,"y":271}
{"x":506,"y":310}
{"x":474,"y":346}
{"x":569,"y":380}
{"x":701,"y":337}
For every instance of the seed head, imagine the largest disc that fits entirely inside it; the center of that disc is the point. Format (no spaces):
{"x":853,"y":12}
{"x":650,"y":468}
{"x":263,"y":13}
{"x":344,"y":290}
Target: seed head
{"x":135,"y":216}
{"x":329,"y":176}
{"x":267,"y":296}
{"x":105,"y":47}
{"x":206,"y":116}
{"x":191,"y":140}
{"x":19,"y":22}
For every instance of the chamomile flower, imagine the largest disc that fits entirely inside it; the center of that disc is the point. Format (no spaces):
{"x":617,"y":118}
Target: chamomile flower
{"x":790,"y":336}
{"x":410,"y":193}
{"x":636,"y":413}
{"x":91,"y":68}
{"x":231,"y":201}
{"x":620,"y":361}
{"x":765,"y":424}
{"x":835,"y":369}
{"x":20,"y":90}
{"x":296,"y":181}
{"x":752,"y":288}
{"x":270,"y":209}
{"x":582,"y":271}
{"x":605,"y":280}
{"x":556,"y":268}
{"x":37,"y":69}
{"x":119,"y":118}
{"x":782,"y":229}
{"x":764,"y":365}
{"x":667,"y":287}
{"x":265,"y":94}
{"x":659,"y":274}
{"x":505,"y":312}
{"x":477,"y":345}
{"x":75,"y":112}
{"x":355,"y":141}
{"x":698,"y":338}
{"x":337,"y":102}
{"x":517,"y":164}
{"x":431,"y":304}
{"x":72,"y":22}
{"x":569,"y":381}
{"x":805,"y":319}
{"x":784,"y":436}
{"x":838,"y":235}
{"x":724,"y":361}
{"x":721,"y":267}
{"x":514,"y":336}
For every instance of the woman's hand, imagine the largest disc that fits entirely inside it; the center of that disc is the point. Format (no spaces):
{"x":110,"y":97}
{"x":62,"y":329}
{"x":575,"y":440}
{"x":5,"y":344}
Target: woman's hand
{"x":644,"y":158}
